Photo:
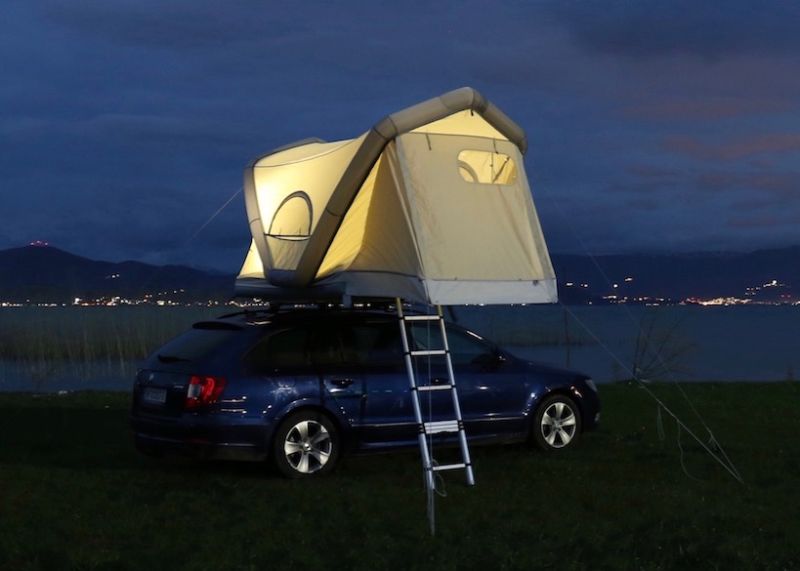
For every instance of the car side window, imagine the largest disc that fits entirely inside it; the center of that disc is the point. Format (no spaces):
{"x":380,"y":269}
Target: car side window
{"x":377,"y":344}
{"x":285,"y":350}
{"x":326,"y":348}
{"x":357,"y":344}
{"x":465,"y":348}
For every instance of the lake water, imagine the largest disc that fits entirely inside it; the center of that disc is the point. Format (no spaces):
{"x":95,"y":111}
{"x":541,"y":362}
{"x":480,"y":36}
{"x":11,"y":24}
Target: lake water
{"x":738,"y":343}
{"x":758,"y":343}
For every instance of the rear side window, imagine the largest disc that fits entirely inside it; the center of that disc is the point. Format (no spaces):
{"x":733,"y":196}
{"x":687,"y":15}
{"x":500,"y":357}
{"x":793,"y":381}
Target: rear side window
{"x":284,"y":350}
{"x":195,"y":344}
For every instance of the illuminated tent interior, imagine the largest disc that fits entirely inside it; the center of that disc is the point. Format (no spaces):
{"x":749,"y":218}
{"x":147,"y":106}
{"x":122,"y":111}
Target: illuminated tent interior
{"x":432,"y":205}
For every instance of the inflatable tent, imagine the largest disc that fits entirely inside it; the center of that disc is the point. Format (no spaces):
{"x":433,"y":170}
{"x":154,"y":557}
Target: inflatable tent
{"x":431,"y":205}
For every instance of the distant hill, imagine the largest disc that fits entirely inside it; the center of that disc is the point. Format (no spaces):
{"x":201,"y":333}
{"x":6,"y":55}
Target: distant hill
{"x":47,"y":274}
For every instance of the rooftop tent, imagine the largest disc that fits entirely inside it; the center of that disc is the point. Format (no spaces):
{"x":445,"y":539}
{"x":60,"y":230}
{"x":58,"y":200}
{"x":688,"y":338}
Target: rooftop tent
{"x":432,"y":204}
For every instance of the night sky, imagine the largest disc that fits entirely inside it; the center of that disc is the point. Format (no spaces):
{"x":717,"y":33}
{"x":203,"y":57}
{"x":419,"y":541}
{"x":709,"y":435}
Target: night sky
{"x":653,"y":126}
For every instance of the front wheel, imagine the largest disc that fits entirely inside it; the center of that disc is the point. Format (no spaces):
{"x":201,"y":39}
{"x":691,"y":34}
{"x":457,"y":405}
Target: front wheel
{"x":557,"y":423}
{"x":307,"y":444}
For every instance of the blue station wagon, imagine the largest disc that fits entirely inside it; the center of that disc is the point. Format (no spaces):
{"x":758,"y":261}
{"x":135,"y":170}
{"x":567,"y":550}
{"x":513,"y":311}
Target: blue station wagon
{"x":303,"y":386}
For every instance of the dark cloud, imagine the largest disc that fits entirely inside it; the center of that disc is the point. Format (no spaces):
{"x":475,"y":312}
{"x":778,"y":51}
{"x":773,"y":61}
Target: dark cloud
{"x":650,"y":171}
{"x":649,"y":28}
{"x":742,"y":147}
{"x":709,"y":109}
{"x":761,"y":221}
{"x":124,"y":125}
{"x":175,"y":25}
{"x":644,"y":203}
{"x":777,"y":185}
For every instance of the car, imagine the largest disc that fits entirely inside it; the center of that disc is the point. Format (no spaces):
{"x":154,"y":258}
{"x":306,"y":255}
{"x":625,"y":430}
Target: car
{"x":303,"y":386}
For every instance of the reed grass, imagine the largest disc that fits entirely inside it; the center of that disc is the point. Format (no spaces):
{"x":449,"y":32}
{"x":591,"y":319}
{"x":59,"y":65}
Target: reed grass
{"x":43,"y":346}
{"x":40,"y":346}
{"x":115,"y":335}
{"x":91,"y":334}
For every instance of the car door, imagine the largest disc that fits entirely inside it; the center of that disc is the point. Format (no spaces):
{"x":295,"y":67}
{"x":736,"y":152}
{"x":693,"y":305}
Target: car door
{"x":389,"y":417}
{"x":388,"y":411}
{"x":490,"y":387}
{"x":339,"y":372}
{"x":281,"y":365}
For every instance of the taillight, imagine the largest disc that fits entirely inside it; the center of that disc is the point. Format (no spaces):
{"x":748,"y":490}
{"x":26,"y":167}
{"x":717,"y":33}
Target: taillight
{"x":203,"y":391}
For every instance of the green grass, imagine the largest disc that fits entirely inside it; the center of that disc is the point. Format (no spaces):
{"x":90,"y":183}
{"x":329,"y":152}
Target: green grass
{"x":74,"y":495}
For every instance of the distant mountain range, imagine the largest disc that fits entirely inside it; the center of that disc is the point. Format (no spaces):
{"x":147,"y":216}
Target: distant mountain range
{"x":47,"y":274}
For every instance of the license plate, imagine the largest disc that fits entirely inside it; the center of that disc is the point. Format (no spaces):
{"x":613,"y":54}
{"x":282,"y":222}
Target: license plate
{"x":154,"y":396}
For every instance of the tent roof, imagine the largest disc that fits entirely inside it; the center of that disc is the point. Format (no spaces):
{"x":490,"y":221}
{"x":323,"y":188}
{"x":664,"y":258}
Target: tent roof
{"x":372,"y":145}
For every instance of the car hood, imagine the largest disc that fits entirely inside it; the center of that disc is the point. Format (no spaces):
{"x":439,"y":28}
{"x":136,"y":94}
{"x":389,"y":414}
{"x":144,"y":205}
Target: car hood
{"x":539,"y":370}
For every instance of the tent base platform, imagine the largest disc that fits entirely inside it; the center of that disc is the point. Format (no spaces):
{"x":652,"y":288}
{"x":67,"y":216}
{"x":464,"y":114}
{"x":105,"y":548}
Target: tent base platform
{"x":261,"y":289}
{"x":379,"y":285}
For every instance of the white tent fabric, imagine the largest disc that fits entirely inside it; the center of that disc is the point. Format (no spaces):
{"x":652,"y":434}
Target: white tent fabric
{"x":432,"y":205}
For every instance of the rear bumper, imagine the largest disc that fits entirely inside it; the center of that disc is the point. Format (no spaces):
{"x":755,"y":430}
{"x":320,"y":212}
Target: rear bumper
{"x":200,"y":438}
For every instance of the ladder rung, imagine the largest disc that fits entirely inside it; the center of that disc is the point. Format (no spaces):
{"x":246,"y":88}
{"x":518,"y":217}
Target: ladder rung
{"x":421,"y":318}
{"x":446,"y":387}
{"x":428,"y":352}
{"x":448,"y":467}
{"x":441,"y":426}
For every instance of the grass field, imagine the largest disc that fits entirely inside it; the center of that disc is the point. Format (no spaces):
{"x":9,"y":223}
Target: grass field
{"x":74,"y":494}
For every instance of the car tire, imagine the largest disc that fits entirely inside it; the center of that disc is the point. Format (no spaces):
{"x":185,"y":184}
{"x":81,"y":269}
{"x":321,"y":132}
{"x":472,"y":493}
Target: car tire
{"x":557,"y":424}
{"x":306,"y":445}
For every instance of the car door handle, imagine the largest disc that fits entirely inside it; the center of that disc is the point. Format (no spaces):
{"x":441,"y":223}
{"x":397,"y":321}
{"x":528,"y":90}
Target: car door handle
{"x":341,"y":382}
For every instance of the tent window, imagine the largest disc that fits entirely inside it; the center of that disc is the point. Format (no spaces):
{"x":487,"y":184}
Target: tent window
{"x":292,"y":219}
{"x":484,"y":167}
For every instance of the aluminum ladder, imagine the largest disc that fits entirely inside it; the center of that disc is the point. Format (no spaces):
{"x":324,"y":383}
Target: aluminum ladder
{"x":456,"y":425}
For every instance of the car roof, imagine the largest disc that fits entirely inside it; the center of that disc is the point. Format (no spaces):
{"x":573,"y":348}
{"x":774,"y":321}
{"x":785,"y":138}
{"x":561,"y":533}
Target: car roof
{"x":265,"y":317}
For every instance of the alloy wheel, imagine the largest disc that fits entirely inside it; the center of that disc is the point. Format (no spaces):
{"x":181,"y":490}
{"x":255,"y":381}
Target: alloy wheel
{"x":558,"y":424}
{"x":308,"y":446}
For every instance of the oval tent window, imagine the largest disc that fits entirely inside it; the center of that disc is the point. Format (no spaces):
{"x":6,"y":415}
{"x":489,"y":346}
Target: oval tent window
{"x":292,"y":219}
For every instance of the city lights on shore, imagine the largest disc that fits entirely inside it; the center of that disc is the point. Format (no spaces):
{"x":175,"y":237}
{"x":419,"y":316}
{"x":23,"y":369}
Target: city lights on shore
{"x":772,"y":291}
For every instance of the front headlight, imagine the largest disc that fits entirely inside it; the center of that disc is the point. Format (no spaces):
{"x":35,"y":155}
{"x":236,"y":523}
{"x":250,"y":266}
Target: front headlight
{"x":591,"y":385}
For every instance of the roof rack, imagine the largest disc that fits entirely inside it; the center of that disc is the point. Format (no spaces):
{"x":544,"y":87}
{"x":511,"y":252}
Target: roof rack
{"x":387,"y":304}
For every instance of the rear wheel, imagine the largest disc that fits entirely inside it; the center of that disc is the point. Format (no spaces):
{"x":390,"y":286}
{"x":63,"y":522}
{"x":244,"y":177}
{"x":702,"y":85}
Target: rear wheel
{"x":306,"y":444}
{"x":557,"y":424}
